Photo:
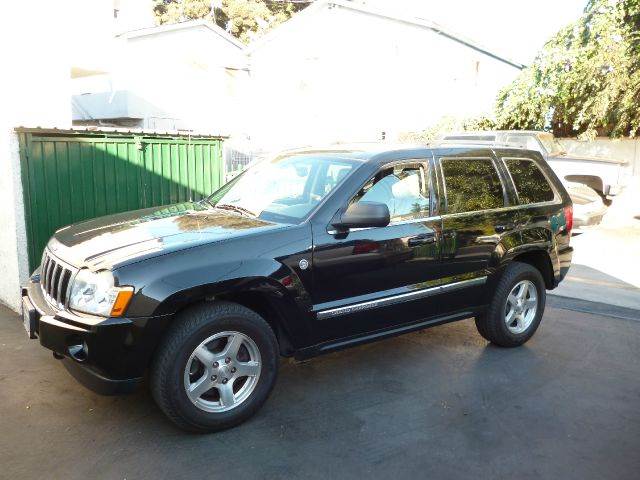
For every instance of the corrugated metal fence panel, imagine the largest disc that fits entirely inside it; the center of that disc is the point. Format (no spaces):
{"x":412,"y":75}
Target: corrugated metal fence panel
{"x":67,"y":178}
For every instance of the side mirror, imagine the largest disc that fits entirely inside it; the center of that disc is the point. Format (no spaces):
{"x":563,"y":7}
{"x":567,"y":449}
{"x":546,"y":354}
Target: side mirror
{"x":362,"y":215}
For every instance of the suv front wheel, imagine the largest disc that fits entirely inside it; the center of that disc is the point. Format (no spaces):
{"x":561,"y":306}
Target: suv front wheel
{"x":215,"y":366}
{"x":517,"y":307}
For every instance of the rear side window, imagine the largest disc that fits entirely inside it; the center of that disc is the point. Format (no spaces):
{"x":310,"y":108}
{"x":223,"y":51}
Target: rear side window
{"x":471,"y":185}
{"x":531,"y":184}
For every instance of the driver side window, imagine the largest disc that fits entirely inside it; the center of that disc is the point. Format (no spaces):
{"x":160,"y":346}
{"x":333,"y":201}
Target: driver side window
{"x":403,"y":188}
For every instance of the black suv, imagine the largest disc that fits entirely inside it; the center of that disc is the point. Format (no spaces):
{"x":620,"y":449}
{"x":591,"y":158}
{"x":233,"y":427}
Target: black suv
{"x":306,"y":253}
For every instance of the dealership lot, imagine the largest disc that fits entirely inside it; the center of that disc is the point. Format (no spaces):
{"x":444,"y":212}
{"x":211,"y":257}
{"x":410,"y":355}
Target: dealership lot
{"x":438,"y":403}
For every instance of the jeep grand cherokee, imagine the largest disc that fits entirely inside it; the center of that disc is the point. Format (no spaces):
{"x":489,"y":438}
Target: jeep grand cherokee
{"x":306,"y":253}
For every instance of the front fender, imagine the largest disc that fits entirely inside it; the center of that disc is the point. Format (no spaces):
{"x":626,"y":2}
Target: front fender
{"x":283,"y":292}
{"x":267,"y":264}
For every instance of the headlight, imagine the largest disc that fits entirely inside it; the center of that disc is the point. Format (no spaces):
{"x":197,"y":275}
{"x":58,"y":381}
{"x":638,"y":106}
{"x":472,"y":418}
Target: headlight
{"x":95,"y":293}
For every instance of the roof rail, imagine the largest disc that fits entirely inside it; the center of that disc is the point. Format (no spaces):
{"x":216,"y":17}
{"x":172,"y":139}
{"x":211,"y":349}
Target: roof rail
{"x":492,"y":143}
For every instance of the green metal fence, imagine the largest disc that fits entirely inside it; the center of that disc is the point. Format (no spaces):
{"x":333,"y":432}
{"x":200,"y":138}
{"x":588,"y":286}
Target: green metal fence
{"x":71,"y":175}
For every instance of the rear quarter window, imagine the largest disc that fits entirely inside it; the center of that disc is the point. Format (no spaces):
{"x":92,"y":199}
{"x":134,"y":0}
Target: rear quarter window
{"x":531,"y":184}
{"x":471,"y":185}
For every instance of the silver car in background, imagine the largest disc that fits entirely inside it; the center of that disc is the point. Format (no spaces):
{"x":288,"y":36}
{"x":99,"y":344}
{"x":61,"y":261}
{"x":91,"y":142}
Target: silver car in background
{"x":606,"y":176}
{"x":588,"y":206}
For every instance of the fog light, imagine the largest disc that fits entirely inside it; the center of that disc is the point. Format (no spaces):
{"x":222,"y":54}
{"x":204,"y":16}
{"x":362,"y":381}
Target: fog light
{"x":79,"y":351}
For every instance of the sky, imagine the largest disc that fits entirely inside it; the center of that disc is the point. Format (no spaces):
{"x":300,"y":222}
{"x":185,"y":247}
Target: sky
{"x":514,"y":28}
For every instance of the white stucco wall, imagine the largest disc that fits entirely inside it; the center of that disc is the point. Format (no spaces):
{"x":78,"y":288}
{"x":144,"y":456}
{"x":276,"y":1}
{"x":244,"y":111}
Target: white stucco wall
{"x":343,"y":75}
{"x":13,"y":251}
{"x":35,"y":94}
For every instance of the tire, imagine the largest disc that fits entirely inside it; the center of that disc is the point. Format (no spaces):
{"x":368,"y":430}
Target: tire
{"x":224,"y":326}
{"x":493,"y":325}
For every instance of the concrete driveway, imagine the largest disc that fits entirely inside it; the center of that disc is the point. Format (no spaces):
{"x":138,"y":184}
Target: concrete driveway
{"x":436,"y":404}
{"x":604,"y":267}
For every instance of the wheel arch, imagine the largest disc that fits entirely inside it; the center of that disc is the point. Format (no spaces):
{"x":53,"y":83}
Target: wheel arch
{"x":593,"y":181}
{"x":263,"y":295}
{"x":269,"y":309}
{"x":540,"y":260}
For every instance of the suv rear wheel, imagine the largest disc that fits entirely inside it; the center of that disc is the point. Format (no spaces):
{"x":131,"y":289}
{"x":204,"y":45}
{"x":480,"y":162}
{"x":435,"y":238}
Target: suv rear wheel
{"x":215,"y":367}
{"x":517,"y":307}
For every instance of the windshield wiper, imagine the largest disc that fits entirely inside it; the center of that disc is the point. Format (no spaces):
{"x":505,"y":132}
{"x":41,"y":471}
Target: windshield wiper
{"x":235,"y":208}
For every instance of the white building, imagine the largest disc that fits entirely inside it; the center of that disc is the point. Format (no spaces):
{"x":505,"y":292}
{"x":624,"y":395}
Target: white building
{"x":341,"y":71}
{"x":184,"y":76}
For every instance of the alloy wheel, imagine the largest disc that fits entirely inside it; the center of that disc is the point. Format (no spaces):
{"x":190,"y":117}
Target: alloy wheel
{"x":222,"y":371}
{"x":521,"y":306}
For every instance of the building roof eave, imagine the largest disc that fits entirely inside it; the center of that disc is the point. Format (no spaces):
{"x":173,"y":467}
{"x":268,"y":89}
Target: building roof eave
{"x":420,"y":22}
{"x":170,"y":27}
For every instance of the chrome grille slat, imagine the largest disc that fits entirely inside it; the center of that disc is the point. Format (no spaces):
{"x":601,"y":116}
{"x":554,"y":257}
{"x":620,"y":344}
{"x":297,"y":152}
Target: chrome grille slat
{"x":52,"y":267}
{"x":55,"y":280}
{"x":55,"y":284}
{"x":64,"y":285}
{"x":45,"y":266}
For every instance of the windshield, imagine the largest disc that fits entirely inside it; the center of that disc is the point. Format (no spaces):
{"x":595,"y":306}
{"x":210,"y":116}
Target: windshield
{"x":285,"y":189}
{"x":551,"y":145}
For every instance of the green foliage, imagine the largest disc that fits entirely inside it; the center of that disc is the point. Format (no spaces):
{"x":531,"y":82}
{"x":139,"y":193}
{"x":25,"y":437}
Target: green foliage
{"x":447,"y":125}
{"x":245,"y":19}
{"x":586,"y":79}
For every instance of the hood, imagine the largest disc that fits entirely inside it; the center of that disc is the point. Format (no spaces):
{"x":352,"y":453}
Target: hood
{"x":571,"y":157}
{"x":114,"y":240}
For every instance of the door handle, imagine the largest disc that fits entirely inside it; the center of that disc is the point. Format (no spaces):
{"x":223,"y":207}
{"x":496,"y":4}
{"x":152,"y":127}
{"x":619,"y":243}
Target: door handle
{"x":421,"y":240}
{"x":504,"y":228}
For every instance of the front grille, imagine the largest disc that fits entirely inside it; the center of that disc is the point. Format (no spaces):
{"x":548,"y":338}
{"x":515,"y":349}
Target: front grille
{"x":55,"y":280}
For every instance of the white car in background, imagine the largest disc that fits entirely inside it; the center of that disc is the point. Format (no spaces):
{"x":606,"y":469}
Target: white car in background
{"x":588,"y":206}
{"x":606,"y":176}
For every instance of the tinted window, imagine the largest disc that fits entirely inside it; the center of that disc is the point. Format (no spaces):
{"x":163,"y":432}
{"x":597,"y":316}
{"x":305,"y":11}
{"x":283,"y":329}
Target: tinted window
{"x":530,"y":182}
{"x":403,"y":189}
{"x":471,"y":185}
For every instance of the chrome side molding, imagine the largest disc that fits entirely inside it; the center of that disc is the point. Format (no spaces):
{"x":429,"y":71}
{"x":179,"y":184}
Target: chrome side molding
{"x":402,"y":297}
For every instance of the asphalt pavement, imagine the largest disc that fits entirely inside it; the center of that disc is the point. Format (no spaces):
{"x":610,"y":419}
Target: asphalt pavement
{"x":441,"y":403}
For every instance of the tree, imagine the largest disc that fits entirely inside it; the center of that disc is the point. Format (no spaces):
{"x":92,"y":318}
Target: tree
{"x":586,"y":79}
{"x":245,"y":19}
{"x":447,"y":124}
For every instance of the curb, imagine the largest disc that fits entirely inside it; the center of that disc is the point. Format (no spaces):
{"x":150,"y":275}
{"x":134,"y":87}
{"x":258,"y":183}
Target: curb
{"x":597,"y":308}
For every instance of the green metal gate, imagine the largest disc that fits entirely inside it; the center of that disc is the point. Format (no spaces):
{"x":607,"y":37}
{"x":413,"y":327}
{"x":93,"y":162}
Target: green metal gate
{"x":73,"y":175}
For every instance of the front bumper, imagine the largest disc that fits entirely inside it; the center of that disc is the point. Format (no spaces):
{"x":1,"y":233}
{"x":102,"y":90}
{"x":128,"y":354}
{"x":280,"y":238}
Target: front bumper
{"x":588,"y":214}
{"x":108,"y":356}
{"x":97,"y":382}
{"x":588,"y":219}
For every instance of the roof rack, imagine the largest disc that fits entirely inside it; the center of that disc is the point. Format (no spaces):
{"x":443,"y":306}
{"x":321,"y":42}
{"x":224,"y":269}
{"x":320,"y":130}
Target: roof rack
{"x":492,"y":143}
